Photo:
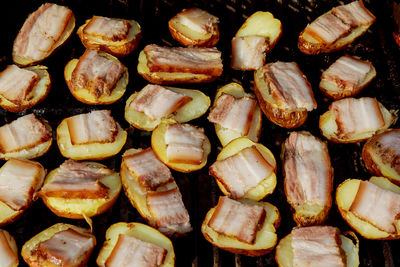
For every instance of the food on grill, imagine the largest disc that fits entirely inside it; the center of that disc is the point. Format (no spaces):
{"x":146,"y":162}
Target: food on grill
{"x":168,"y":65}
{"x":256,"y":37}
{"x":181,"y":147}
{"x":235,"y":113}
{"x":153,"y":104}
{"x":94,"y":135}
{"x":27,"y":137}
{"x":118,"y":37}
{"x":352,"y":120}
{"x":96,"y":78}
{"x":316,"y":246}
{"x":135,"y":244}
{"x":284,"y":93}
{"x":242,"y":227}
{"x":308,"y":178}
{"x":43,"y":31}
{"x":245,"y":170}
{"x":381,"y":155}
{"x":372,"y":208}
{"x":194,"y":27}
{"x":59,"y":245}
{"x":23,"y":88}
{"x":335,"y":29}
{"x":19,"y":182}
{"x":8,"y":250}
{"x":80,"y":190}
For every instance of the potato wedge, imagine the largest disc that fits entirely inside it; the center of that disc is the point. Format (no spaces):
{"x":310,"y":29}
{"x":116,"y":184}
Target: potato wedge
{"x":191,"y":110}
{"x":140,"y":231}
{"x":8,"y":249}
{"x":119,"y":48}
{"x":266,"y":237}
{"x":226,"y":135}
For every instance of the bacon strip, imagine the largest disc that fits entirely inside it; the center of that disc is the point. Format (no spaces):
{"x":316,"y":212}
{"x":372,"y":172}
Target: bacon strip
{"x":248,"y":53}
{"x":354,"y":14}
{"x":307,"y":169}
{"x":168,"y":210}
{"x":157,"y":101}
{"x":184,"y":59}
{"x":16,"y":84}
{"x":377,"y":206}
{"x":327,"y":29}
{"x":150,"y":172}
{"x":95,"y":127}
{"x":23,"y":133}
{"x":242,"y":171}
{"x":317,"y":246}
{"x":7,"y":255}
{"x":197,"y":20}
{"x":131,"y":251}
{"x":387,"y":148}
{"x":108,"y":29}
{"x":237,"y":220}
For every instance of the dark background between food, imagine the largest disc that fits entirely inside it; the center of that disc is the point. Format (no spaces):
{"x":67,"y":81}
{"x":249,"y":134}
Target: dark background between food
{"x":199,"y":190}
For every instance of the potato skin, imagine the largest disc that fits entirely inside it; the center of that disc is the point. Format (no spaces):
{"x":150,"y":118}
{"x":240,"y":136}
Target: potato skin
{"x":186,"y":41}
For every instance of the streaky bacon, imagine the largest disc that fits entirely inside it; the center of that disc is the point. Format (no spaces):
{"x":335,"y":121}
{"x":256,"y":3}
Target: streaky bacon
{"x":248,"y":52}
{"x":108,"y":29}
{"x":7,"y":256}
{"x":327,"y":29}
{"x":387,"y":148}
{"x":354,"y":14}
{"x":197,"y":20}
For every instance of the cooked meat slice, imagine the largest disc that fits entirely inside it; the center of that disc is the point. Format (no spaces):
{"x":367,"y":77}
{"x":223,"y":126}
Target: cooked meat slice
{"x":108,"y":29}
{"x":95,"y":127}
{"x":248,"y":52}
{"x":197,"y":20}
{"x":65,"y":248}
{"x":317,"y":246}
{"x":77,"y":180}
{"x":184,"y":143}
{"x":150,"y":172}
{"x":97,"y":73}
{"x":7,"y":255}
{"x":157,"y":101}
{"x":184,"y":59}
{"x":237,"y":220}
{"x":23,"y":133}
{"x":233,"y":113}
{"x":289,"y":86}
{"x":307,"y":169}
{"x":347,"y":73}
{"x":130,"y":251}
{"x":327,"y":29}
{"x":169,"y":212}
{"x":387,"y":148}
{"x":377,"y":206}
{"x":354,"y":14}
{"x":357,"y":116}
{"x":241,"y":172}
{"x":16,"y":84}
{"x":41,"y":31}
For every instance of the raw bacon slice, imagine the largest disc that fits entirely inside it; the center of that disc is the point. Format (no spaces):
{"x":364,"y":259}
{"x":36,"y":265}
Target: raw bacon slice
{"x":248,"y":52}
{"x":354,"y":14}
{"x":197,"y":20}
{"x":7,"y":255}
{"x":108,"y":29}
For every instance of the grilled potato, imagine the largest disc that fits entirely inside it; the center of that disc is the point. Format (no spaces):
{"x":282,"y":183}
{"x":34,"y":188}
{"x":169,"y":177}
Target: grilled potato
{"x":140,"y":231}
{"x":10,"y":248}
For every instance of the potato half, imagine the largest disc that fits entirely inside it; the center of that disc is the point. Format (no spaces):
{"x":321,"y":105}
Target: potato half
{"x":266,"y":237}
{"x":191,"y":110}
{"x":117,"y":48}
{"x":265,"y":187}
{"x":12,"y":246}
{"x":226,"y":135}
{"x":140,"y":231}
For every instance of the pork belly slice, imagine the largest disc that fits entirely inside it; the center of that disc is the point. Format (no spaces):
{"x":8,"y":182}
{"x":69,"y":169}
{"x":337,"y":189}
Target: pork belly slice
{"x":7,"y":255}
{"x":107,"y":29}
{"x":354,"y":14}
{"x":131,"y":251}
{"x":184,"y":59}
{"x":65,"y":248}
{"x":241,"y":172}
{"x":377,"y":206}
{"x":97,"y":73}
{"x":347,"y":73}
{"x":387,"y":147}
{"x":157,"y":101}
{"x":307,"y":169}
{"x":184,"y":143}
{"x":168,"y":211}
{"x":317,"y":246}
{"x":248,"y":52}
{"x":23,"y":133}
{"x":95,"y":127}
{"x":74,"y":179}
{"x":197,"y":20}
{"x":357,"y":116}
{"x":41,"y":31}
{"x":233,"y":113}
{"x":150,"y":172}
{"x":16,"y":84}
{"x":237,"y":220}
{"x":289,"y":86}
